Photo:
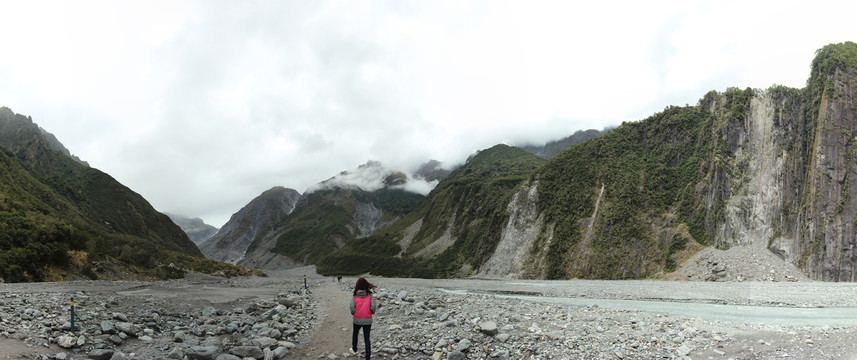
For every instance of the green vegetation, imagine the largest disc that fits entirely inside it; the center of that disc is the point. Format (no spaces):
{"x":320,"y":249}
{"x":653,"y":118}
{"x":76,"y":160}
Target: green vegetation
{"x":470,"y":204}
{"x":677,"y":244}
{"x":647,"y":168}
{"x":52,"y":207}
{"x":322,"y":222}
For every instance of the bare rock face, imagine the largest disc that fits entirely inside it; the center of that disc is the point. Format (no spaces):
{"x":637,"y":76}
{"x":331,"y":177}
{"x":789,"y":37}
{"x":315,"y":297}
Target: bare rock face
{"x":826,"y":233}
{"x":254,"y":220}
{"x":774,"y":179}
{"x":512,"y":257}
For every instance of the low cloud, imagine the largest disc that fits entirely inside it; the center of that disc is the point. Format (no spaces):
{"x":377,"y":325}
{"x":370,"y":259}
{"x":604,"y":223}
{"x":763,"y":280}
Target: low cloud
{"x":374,"y":176}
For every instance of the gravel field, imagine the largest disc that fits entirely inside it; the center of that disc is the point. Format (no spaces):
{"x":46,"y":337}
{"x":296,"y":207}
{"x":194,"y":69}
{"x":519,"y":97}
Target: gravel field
{"x":204,"y":317}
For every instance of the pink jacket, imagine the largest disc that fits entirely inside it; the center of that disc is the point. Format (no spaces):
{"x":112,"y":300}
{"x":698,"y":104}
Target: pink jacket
{"x":362,"y":307}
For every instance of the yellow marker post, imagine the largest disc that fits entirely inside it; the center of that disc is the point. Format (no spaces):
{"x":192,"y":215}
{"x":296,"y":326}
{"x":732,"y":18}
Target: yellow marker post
{"x":72,"y":315}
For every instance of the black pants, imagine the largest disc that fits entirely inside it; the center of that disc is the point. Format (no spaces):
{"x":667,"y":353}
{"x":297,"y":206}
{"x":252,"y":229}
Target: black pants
{"x":366,"y":330}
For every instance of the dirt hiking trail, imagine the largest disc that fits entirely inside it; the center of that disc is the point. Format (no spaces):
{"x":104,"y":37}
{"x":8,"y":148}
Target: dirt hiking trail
{"x":333,"y":335}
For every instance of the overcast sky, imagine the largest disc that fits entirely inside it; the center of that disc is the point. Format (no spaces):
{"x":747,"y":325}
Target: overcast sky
{"x":200,"y":106}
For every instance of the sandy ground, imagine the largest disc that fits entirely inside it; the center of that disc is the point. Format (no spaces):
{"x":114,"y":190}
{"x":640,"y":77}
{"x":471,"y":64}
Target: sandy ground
{"x":333,"y":336}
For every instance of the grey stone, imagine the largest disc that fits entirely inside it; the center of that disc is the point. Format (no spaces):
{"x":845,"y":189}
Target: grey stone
{"x":67,"y":341}
{"x":464,"y":344}
{"x":179,"y":337}
{"x":120,"y":316}
{"x":488,"y":328}
{"x":126,"y":328}
{"x":227,"y":357}
{"x":207,"y":312}
{"x":175,"y":353}
{"x":115,"y":339}
{"x":280,"y":352}
{"x":502,"y":337}
{"x":403,"y":295}
{"x":264,"y":342}
{"x":683,"y":350}
{"x":202,"y":352}
{"x":455,"y":355}
{"x":107,"y":327}
{"x":100,"y":354}
{"x":247,"y":351}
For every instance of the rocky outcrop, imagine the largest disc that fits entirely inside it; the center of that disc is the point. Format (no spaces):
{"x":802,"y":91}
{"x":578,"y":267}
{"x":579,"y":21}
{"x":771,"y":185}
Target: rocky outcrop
{"x":254,"y":221}
{"x":767,"y":170}
{"x":512,"y":258}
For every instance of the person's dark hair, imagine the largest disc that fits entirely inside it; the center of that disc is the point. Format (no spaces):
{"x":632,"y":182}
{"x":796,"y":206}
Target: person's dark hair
{"x":363,"y":284}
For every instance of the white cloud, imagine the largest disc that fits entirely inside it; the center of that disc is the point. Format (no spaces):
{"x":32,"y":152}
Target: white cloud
{"x":374,"y":176}
{"x":202,"y":105}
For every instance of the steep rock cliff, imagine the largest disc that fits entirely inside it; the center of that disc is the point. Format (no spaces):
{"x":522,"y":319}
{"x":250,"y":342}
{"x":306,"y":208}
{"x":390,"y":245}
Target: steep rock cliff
{"x":766,"y":169}
{"x":454,"y":232}
{"x":252,"y":222}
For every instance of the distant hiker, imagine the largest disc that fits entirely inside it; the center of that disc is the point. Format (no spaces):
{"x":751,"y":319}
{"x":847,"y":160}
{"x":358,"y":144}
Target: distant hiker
{"x":362,"y":308}
{"x":339,"y":279}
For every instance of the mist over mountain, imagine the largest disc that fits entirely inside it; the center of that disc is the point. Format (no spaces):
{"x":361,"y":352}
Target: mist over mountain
{"x":196,"y":229}
{"x":767,"y":170}
{"x":552,"y":148}
{"x":374,"y":176}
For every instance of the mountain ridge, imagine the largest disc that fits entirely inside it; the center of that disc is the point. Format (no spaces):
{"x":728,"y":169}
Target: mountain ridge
{"x":63,"y":219}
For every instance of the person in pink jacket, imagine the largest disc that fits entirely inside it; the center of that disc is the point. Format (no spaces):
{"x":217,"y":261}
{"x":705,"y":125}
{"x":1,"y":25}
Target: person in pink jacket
{"x":362,"y":308}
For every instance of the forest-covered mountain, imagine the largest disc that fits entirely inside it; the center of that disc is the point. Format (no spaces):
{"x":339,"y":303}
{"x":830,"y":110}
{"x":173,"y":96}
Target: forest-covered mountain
{"x":60,"y":218}
{"x":552,"y":148}
{"x":769,"y":169}
{"x":282,"y":228}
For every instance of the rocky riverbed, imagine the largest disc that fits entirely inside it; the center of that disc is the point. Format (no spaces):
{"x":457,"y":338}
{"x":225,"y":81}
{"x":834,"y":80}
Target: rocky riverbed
{"x":274,"y":318}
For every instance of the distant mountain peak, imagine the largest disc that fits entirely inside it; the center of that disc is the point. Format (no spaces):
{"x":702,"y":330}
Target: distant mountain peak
{"x":374,"y":176}
{"x":195,"y":228}
{"x":8,"y":118}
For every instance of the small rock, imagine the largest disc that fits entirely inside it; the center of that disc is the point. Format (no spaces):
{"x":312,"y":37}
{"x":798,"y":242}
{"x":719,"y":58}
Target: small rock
{"x":175,"y":353}
{"x":247,"y":351}
{"x":120,"y":316}
{"x":455,"y":355}
{"x":227,"y":357}
{"x":202,"y":352}
{"x":67,"y":341}
{"x":126,"y":328}
{"x":280,"y":352}
{"x":502,"y":337}
{"x":488,"y":328}
{"x":179,"y":337}
{"x":464,"y":344}
{"x":107,"y":327}
{"x":683,"y":350}
{"x":100,"y":354}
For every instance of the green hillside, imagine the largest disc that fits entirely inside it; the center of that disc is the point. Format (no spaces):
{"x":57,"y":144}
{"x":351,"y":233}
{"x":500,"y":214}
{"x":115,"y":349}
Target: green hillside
{"x":470,"y":204}
{"x":324,"y":221}
{"x":60,"y":218}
